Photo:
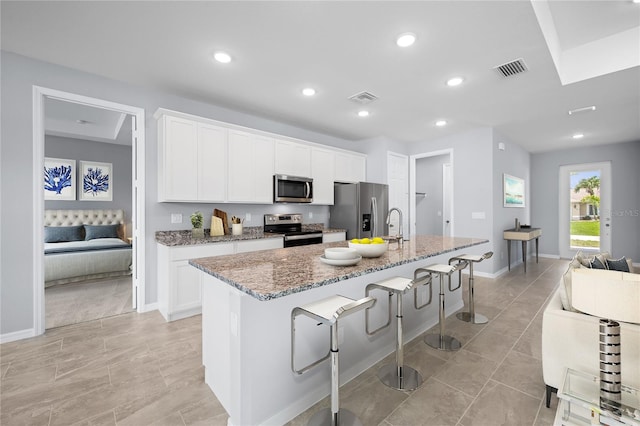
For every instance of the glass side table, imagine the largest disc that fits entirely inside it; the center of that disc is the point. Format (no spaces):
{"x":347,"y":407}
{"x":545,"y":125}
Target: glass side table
{"x":580,"y":402}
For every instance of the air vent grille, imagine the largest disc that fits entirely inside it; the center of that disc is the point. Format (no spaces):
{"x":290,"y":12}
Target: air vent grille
{"x":512,"y":68}
{"x":363,"y":97}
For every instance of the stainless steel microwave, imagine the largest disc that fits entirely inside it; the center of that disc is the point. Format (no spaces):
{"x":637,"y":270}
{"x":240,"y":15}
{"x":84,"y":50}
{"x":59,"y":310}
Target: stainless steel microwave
{"x":292,"y":189}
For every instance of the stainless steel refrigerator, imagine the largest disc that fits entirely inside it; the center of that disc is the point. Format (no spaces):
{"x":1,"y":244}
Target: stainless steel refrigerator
{"x":360,"y":208}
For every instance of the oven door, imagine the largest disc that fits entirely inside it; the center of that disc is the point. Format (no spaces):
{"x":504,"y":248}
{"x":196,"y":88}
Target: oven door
{"x":302,"y":239}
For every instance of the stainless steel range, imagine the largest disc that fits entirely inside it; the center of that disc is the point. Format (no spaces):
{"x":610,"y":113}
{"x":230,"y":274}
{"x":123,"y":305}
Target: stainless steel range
{"x":291,"y":226}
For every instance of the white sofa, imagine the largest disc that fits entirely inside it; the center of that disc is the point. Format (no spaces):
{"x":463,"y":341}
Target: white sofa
{"x":571,"y":339}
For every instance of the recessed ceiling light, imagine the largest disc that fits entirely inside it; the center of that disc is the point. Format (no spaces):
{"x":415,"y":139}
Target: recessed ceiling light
{"x":636,"y":1}
{"x":363,"y":113}
{"x":406,"y":39}
{"x":455,"y":81}
{"x":441,"y":123}
{"x":222,"y":57}
{"x":309,"y":91}
{"x":578,"y":136}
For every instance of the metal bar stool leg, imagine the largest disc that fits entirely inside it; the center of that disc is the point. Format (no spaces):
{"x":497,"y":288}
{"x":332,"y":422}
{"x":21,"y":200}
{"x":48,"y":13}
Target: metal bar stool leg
{"x":399,"y":376}
{"x":472,"y":316}
{"x":442,"y":341}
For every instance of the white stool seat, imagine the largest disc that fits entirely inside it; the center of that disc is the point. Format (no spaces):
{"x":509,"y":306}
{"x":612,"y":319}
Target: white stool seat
{"x":396,"y":284}
{"x":470,"y":257}
{"x":327,"y":310}
{"x":440,"y":268}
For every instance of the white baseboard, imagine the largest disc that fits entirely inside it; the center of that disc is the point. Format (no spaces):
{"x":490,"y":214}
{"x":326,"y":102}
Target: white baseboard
{"x":549,"y":256}
{"x":149,"y":307}
{"x":17,"y":335}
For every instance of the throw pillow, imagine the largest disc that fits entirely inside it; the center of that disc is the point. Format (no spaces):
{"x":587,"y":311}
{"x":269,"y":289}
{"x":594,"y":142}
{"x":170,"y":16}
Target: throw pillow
{"x":618,"y":264}
{"x":596,"y":263}
{"x":100,"y":231}
{"x":61,"y":234}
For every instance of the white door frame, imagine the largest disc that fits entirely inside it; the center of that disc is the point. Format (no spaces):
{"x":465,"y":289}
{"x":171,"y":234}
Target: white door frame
{"x":412,"y":185}
{"x":447,"y":200}
{"x":564,"y":246}
{"x":138,"y":196}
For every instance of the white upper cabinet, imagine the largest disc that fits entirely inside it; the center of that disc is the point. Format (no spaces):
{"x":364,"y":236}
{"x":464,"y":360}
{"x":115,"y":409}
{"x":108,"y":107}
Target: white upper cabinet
{"x":292,"y":158}
{"x":250,"y":175}
{"x":350,"y":167}
{"x":323,"y":174}
{"x":191,"y":163}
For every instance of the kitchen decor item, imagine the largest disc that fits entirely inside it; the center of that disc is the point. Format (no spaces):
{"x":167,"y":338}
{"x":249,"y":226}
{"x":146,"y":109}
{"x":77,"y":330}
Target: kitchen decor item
{"x":340,"y":262}
{"x":360,"y":208}
{"x":217,"y":228}
{"x":340,"y":253}
{"x":370,"y":250}
{"x":225,"y":223}
{"x":236,"y":229}
{"x":197,"y":222}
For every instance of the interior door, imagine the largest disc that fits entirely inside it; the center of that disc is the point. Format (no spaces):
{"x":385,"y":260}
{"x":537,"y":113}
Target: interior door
{"x":584,"y":208}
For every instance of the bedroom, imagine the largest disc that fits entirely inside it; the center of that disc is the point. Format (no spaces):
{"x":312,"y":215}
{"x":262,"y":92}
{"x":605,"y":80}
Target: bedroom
{"x":94,"y":282}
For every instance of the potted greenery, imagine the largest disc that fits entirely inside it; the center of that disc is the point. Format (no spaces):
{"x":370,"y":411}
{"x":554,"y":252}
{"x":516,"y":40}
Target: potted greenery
{"x":197,"y":221}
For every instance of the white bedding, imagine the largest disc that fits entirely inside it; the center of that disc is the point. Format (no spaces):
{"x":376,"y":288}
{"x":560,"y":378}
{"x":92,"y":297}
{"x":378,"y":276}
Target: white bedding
{"x":83,"y":245}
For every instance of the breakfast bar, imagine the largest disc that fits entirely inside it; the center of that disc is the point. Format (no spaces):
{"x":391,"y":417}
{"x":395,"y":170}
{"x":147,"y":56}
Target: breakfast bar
{"x":247,"y":301}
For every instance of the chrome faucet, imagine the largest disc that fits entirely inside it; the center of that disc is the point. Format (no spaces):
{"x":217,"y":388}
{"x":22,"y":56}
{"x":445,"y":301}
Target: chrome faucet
{"x":400,"y":237}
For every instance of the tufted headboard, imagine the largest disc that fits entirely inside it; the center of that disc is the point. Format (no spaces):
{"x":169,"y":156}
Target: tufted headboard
{"x":85,"y":217}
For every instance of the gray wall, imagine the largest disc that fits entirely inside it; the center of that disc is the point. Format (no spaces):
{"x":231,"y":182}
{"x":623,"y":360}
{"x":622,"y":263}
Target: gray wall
{"x":625,"y":197}
{"x":83,"y":150}
{"x":472,"y":184}
{"x":514,"y":161}
{"x":19,"y":75}
{"x":429,"y":181}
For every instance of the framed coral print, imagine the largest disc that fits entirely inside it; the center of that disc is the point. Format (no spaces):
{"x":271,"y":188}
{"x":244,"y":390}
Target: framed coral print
{"x":59,"y":179}
{"x":513,"y":191}
{"x":97,"y":181}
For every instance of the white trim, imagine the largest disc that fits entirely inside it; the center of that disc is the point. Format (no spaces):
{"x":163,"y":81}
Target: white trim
{"x":148,"y":307}
{"x":17,"y":335}
{"x":549,"y":256}
{"x":39,"y":94}
{"x":412,"y":186}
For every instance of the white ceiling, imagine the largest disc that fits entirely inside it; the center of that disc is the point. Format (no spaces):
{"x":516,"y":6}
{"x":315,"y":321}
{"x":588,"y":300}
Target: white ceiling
{"x":342,"y":48}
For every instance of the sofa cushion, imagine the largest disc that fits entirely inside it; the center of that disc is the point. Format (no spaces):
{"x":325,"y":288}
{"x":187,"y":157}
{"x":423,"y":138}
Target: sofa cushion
{"x":565,"y":285}
{"x":618,"y":264}
{"x":607,"y":294}
{"x":597,"y":264}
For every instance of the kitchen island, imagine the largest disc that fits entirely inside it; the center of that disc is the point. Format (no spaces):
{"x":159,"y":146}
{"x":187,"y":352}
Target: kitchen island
{"x":246,"y":311}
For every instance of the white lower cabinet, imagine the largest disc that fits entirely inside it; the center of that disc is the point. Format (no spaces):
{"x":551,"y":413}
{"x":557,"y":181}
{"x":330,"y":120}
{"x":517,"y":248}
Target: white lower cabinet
{"x":331,"y":237}
{"x":179,"y":284}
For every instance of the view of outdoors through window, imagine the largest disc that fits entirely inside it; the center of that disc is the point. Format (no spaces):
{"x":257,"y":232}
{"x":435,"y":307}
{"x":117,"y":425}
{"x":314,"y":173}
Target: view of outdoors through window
{"x":585,"y":209}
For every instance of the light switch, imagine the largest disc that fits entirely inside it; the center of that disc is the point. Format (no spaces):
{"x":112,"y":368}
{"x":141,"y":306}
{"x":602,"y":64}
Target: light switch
{"x":247,"y":217}
{"x":176,"y":217}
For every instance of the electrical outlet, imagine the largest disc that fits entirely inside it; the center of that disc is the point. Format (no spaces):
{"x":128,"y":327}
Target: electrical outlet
{"x":310,"y":215}
{"x":176,"y":217}
{"x":247,"y":217}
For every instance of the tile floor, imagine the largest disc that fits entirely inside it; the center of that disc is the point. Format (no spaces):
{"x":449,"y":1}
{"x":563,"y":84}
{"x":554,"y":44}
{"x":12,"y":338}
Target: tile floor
{"x":135,"y":369}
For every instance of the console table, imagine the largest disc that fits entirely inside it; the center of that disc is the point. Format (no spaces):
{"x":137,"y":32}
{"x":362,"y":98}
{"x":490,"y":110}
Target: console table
{"x":525,"y":235}
{"x":580,"y":403}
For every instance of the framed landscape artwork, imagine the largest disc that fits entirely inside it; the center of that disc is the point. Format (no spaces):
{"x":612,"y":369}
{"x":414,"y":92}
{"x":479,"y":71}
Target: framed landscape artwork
{"x":513,"y":191}
{"x":59,"y":179}
{"x":97,"y":181}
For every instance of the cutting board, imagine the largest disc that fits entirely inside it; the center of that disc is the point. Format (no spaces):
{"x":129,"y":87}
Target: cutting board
{"x":216,"y":227}
{"x":225,"y":222}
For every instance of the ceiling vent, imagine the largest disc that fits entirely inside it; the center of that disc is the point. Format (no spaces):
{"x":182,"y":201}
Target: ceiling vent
{"x":363,"y":97}
{"x":511,"y":68}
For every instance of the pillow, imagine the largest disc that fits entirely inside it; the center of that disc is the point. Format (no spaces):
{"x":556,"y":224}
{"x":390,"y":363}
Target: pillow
{"x":60,"y":234}
{"x":597,"y":264}
{"x":618,"y":264}
{"x":100,"y":231}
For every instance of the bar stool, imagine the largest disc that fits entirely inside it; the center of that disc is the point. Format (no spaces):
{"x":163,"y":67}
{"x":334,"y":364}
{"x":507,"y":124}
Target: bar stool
{"x":442,"y":341}
{"x":328,"y":311}
{"x":470,"y":259}
{"x":397,"y":376}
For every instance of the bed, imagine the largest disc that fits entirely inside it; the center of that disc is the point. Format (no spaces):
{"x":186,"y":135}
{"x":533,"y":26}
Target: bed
{"x":85,"y":244}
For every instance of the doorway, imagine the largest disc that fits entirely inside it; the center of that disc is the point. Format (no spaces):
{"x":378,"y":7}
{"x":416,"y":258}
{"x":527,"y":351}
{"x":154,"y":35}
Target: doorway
{"x":398,"y":181}
{"x":40,"y":97}
{"x":585,"y":208}
{"x":431,"y":184}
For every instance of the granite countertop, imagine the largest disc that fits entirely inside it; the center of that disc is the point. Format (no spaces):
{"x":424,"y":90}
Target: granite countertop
{"x":270,"y":274}
{"x":184,"y":238}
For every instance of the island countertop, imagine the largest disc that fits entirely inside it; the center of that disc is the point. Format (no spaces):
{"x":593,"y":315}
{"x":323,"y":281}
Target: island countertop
{"x":271,"y":274}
